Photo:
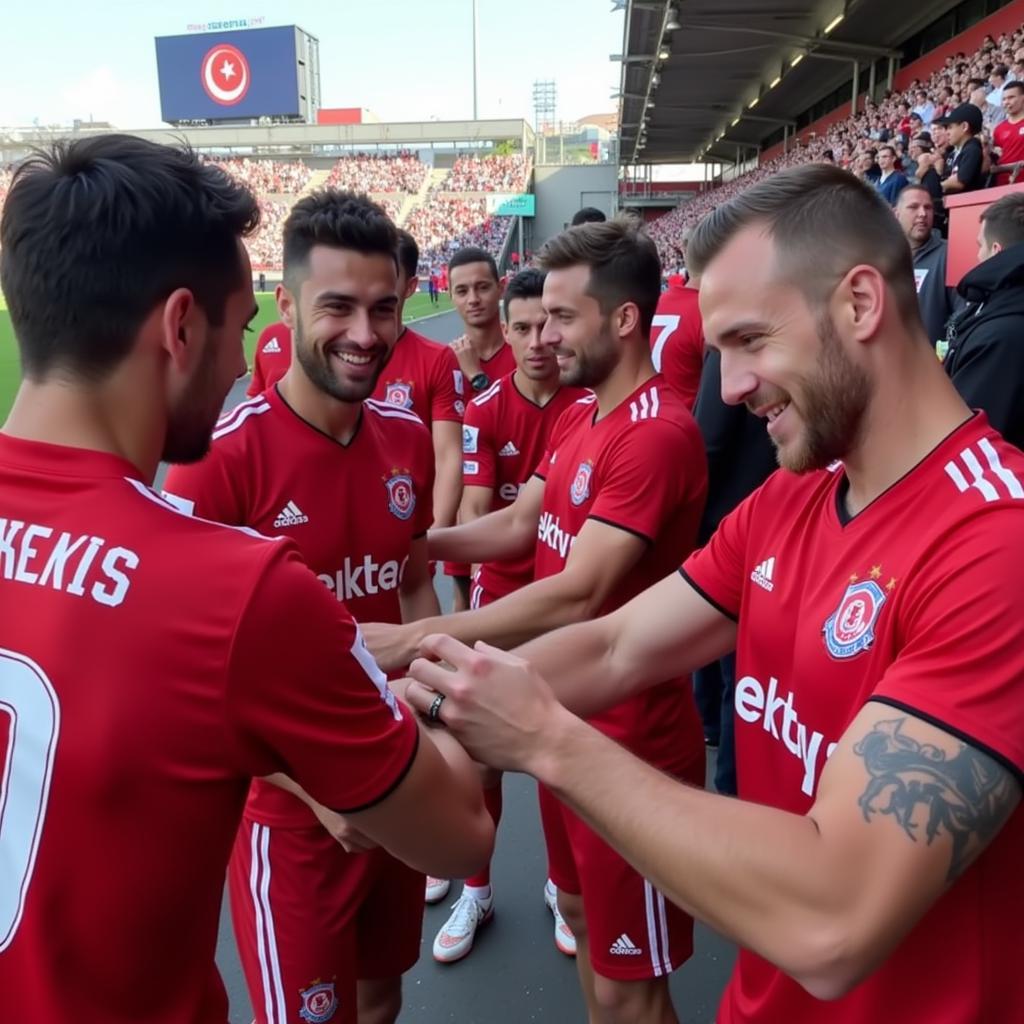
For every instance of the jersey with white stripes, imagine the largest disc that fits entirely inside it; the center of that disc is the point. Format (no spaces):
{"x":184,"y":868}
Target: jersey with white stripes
{"x":150,"y":665}
{"x":641,"y":469}
{"x":913,"y":603}
{"x":504,"y":437}
{"x":354,"y":510}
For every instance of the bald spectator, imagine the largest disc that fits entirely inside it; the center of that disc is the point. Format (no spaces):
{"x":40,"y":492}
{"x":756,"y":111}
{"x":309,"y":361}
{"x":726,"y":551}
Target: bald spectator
{"x":915,"y":210}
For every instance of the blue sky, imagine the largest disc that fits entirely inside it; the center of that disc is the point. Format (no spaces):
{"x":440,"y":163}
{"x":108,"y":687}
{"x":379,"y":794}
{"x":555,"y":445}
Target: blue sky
{"x":402,"y":59}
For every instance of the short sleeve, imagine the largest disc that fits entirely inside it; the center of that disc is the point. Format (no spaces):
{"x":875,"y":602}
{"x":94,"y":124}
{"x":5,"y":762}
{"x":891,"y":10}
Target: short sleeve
{"x":444,"y":399}
{"x":716,"y":571}
{"x":208,"y":489}
{"x":961,"y":661}
{"x":479,"y":467}
{"x":648,"y":475}
{"x":968,"y":169}
{"x":305,"y":697}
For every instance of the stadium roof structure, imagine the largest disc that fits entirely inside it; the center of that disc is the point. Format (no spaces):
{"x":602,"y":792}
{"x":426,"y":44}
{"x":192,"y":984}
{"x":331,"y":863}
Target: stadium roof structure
{"x":711,"y":79}
{"x":298,"y":138}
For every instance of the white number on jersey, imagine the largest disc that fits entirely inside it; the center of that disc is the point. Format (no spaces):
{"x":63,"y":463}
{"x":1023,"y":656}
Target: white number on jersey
{"x":29,"y":701}
{"x":669,"y":324}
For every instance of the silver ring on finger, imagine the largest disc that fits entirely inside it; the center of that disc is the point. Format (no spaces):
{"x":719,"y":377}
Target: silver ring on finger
{"x":434,"y":714}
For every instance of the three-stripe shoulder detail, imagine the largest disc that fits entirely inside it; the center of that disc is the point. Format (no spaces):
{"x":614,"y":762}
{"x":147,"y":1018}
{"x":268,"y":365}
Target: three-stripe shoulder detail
{"x":978,"y":466}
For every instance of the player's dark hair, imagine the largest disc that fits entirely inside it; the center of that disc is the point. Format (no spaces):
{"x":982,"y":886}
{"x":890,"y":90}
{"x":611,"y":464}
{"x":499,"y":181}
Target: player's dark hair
{"x":96,"y":232}
{"x":623,"y":262}
{"x":408,"y":254}
{"x":339,"y":220}
{"x":527,"y":284}
{"x":472,"y":254}
{"x":1003,"y":221}
{"x":801,"y":206}
{"x":1014,"y":85}
{"x":588,"y":215}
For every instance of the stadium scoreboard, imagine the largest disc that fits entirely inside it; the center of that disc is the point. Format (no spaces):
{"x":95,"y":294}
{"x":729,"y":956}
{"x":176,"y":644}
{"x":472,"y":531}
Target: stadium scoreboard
{"x":264,"y":75}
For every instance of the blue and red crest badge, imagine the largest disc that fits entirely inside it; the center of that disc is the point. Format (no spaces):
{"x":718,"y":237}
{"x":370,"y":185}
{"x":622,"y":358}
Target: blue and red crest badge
{"x":397,"y":392}
{"x":401,"y":496}
{"x":319,"y":1002}
{"x":579,"y":489}
{"x":851,"y":627}
{"x":225,"y":74}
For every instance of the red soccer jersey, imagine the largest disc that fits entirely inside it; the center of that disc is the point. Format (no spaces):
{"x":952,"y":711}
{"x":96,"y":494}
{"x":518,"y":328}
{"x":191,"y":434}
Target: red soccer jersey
{"x":1009,"y":138}
{"x":422,"y":375}
{"x":353,"y":509}
{"x":273,"y":357}
{"x":915,"y":604}
{"x":144,"y":679}
{"x":677,"y":342}
{"x":641,"y":469}
{"x":503,"y":440}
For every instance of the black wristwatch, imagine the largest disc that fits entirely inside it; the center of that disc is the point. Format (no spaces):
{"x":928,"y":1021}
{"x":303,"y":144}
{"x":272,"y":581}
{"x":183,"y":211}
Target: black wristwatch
{"x":479,"y":382}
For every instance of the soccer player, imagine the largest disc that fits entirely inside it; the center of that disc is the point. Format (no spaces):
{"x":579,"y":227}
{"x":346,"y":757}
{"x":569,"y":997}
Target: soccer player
{"x":350,"y":479}
{"x":1008,"y":135}
{"x":612,"y":508}
{"x":871,"y":867}
{"x":677,"y":338}
{"x":483,"y":353}
{"x":152,"y":663}
{"x":272,"y":359}
{"x":422,"y":376}
{"x":505,"y":435}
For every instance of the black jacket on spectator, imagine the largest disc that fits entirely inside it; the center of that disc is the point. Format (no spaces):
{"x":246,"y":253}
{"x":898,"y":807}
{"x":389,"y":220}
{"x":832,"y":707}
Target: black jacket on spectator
{"x":985,"y":359}
{"x":741,"y":455}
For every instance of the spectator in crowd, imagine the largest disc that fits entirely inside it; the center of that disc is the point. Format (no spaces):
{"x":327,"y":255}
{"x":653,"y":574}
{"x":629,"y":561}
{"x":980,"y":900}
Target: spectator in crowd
{"x":997,"y":80}
{"x":924,"y":107}
{"x":1008,"y":138}
{"x":373,"y":174}
{"x":966,"y":169}
{"x":891,"y":181}
{"x":991,"y":113}
{"x":588,"y":215}
{"x":982,"y":351}
{"x":915,"y":210}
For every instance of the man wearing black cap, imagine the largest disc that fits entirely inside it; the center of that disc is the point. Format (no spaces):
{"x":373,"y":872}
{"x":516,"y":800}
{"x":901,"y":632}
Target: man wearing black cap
{"x":966,"y":168}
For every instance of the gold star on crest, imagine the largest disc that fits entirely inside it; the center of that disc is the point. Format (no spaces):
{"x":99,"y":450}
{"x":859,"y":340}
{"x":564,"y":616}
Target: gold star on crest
{"x":876,"y":572}
{"x":853,"y":577}
{"x":891,"y":585}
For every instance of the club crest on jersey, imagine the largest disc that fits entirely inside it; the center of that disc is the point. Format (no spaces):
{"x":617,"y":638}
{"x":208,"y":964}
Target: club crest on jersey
{"x":397,"y":392}
{"x":851,"y":627}
{"x":401,"y":496}
{"x":579,"y":489}
{"x":319,"y":1002}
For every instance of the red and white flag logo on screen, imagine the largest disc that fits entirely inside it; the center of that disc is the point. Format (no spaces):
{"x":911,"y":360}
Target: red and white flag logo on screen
{"x":225,"y":74}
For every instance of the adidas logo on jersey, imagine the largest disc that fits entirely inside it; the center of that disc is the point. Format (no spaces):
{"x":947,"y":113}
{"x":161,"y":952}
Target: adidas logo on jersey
{"x":290,"y":515}
{"x":271,"y":347}
{"x":763,"y":574}
{"x":509,"y":449}
{"x":623,"y":946}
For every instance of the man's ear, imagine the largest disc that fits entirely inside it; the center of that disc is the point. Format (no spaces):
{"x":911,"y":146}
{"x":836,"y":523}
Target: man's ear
{"x":180,"y":322}
{"x":287,"y":306}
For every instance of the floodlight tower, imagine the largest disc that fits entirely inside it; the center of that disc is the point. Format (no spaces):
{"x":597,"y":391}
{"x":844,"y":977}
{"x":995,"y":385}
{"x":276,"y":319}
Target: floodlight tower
{"x":545,"y":95}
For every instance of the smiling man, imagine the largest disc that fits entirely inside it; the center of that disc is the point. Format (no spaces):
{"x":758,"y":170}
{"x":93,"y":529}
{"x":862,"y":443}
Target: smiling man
{"x":871,"y":868}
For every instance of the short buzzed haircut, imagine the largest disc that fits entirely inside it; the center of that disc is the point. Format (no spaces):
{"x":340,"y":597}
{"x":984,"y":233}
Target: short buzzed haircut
{"x":823,"y":221}
{"x":1003,"y":221}
{"x":472,"y":254}
{"x":527,"y":284}
{"x":1014,"y":85}
{"x":408,"y":254}
{"x":588,"y":215}
{"x":623,"y":262}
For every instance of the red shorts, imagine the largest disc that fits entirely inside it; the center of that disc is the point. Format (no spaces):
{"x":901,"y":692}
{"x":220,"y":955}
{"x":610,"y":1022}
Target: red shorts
{"x":461,"y":570}
{"x":311,"y":919}
{"x":633,"y":932}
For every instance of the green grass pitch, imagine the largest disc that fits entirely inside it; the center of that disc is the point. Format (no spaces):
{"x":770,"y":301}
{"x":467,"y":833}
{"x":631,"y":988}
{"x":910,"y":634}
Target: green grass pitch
{"x":418,"y":306}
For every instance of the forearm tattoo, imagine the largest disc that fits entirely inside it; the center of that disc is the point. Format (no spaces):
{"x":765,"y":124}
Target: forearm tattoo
{"x":967,"y":796}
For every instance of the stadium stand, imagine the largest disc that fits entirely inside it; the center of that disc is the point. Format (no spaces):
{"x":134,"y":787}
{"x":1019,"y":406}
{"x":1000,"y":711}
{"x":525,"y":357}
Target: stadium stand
{"x":372,"y":174}
{"x":269,"y":177}
{"x":877,"y":123}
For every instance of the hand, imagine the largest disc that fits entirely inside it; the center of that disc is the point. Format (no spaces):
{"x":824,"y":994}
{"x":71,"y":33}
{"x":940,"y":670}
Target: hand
{"x":469,"y":362}
{"x":347,"y":836}
{"x":392,"y":646}
{"x":495,"y":704}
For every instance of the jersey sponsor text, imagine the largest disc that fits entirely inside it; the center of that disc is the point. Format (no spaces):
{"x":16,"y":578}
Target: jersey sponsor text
{"x":359,"y":577}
